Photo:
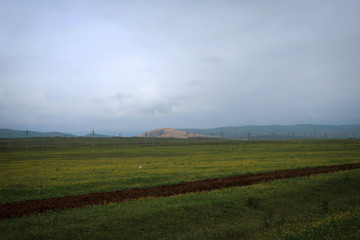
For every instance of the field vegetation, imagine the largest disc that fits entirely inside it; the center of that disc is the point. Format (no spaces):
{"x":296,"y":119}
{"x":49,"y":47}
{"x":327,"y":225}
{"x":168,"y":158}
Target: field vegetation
{"x":300,"y":208}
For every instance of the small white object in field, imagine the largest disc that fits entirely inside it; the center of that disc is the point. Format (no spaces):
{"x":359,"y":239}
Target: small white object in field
{"x":140,"y":166}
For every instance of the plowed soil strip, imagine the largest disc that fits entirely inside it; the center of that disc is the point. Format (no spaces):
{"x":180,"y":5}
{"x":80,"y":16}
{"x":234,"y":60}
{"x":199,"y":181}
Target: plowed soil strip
{"x":17,"y":209}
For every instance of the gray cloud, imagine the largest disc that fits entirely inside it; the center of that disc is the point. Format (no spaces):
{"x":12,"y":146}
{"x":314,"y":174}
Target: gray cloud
{"x":195,"y":82}
{"x":213,"y":59}
{"x":71,"y":65}
{"x":158,"y":108}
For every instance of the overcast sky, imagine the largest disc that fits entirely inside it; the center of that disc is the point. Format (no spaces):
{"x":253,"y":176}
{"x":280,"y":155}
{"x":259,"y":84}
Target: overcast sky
{"x":132,"y":66}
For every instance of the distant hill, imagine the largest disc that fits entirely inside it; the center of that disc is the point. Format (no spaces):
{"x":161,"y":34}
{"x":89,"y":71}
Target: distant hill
{"x":171,"y":133}
{"x":304,"y":131}
{"x":96,"y":135}
{"x":4,"y":133}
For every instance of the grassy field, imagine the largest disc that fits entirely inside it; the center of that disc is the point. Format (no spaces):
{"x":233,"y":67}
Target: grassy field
{"x":301,"y":208}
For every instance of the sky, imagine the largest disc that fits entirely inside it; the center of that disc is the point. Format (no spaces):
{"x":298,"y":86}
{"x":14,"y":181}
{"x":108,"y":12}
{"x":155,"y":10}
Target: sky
{"x":132,"y":66}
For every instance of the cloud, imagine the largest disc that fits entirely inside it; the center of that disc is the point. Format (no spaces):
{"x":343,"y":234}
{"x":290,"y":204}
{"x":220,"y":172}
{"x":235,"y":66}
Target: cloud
{"x":74,"y":64}
{"x":195,"y":82}
{"x":158,"y":108}
{"x":213,"y":59}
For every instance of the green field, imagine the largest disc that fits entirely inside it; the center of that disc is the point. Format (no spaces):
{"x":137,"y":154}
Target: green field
{"x":300,"y":208}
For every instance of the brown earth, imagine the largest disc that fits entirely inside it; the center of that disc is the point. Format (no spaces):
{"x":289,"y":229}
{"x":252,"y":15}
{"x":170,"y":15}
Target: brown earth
{"x":17,"y":209}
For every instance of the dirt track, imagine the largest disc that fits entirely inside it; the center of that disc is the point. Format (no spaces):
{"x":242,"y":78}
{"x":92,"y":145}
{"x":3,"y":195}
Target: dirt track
{"x":17,"y":209}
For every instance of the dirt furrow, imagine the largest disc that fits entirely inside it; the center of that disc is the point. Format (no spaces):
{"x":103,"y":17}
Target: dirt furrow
{"x":17,"y":209}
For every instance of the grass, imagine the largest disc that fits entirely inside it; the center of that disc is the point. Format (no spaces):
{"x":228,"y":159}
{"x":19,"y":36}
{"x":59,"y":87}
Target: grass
{"x":325,"y":206}
{"x":58,"y":170}
{"x":284,"y":209}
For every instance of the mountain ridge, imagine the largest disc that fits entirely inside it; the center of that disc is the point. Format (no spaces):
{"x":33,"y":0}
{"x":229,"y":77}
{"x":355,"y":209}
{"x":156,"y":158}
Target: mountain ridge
{"x":4,"y":133}
{"x":283,"y":131}
{"x":299,"y":131}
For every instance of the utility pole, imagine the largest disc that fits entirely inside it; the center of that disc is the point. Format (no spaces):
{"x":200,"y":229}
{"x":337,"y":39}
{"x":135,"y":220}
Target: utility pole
{"x":27,"y":140}
{"x":146,"y":136}
{"x":119,"y":139}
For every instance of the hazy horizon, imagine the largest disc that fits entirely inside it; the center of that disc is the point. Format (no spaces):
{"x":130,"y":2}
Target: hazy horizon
{"x":136,"y":133}
{"x":133,"y":66}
